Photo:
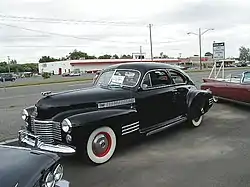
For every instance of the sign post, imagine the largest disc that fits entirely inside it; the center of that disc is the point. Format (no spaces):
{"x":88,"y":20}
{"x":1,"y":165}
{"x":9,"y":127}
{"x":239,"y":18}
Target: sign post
{"x":219,"y":54}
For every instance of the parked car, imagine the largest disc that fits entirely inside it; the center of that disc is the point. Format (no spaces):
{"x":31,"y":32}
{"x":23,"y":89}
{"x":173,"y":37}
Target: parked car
{"x":235,"y":88}
{"x":7,"y":77}
{"x":129,"y":99}
{"x":29,"y":168}
{"x":66,"y":74}
{"x":74,"y":74}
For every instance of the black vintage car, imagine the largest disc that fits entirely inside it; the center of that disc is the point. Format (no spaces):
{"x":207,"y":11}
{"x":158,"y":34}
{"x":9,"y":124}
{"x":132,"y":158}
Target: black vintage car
{"x":127,"y":99}
{"x":23,"y":167}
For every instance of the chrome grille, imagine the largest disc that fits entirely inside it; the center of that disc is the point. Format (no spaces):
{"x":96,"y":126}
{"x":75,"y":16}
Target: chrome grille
{"x":48,"y":131}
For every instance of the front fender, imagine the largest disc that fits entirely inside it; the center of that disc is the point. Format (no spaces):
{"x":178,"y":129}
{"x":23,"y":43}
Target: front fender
{"x":198,"y":102}
{"x":114,"y":118}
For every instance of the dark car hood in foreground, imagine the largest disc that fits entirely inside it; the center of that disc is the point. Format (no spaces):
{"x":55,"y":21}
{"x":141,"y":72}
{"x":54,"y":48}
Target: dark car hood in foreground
{"x":77,"y":99}
{"x":22,"y":166}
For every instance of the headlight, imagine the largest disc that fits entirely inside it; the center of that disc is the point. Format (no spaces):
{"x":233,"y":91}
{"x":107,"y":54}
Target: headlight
{"x":58,"y":173}
{"x":49,"y":180}
{"x":24,"y":114}
{"x":66,"y":125}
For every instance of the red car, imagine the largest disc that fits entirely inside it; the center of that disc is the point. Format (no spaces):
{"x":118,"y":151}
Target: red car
{"x":235,"y":88}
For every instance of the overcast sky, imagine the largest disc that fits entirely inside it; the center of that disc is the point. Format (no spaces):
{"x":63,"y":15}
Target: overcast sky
{"x":120,"y":27}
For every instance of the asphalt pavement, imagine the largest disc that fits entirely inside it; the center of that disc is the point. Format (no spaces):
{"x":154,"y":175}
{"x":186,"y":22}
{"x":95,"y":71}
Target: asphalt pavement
{"x":215,"y":154}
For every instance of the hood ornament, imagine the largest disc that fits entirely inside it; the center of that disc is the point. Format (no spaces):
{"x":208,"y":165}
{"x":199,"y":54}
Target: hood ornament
{"x":46,"y":93}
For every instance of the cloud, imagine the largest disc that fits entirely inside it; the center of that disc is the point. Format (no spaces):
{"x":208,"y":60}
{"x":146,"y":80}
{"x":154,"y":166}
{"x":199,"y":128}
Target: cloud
{"x":171,"y":21}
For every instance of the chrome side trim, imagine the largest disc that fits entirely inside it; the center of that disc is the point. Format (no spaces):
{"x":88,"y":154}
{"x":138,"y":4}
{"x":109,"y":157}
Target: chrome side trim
{"x":130,"y":128}
{"x":116,"y":103}
{"x":33,"y":141}
{"x":166,"y":126}
{"x":130,"y":131}
{"x":123,"y":127}
{"x":124,"y":130}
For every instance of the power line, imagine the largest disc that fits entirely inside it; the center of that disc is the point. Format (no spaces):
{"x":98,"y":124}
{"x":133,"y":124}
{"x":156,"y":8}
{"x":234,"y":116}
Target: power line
{"x":68,"y":21}
{"x":75,"y":37}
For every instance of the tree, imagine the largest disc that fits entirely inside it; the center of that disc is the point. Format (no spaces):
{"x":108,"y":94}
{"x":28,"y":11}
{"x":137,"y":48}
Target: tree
{"x":126,"y":57}
{"x":244,"y":53}
{"x":105,"y":56}
{"x":77,"y":55}
{"x":13,"y":62}
{"x":115,"y":56}
{"x":208,"y":54}
{"x":161,"y":54}
{"x":47,"y":59}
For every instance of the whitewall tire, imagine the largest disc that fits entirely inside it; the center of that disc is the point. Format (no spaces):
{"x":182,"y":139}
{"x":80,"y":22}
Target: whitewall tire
{"x":215,"y":99}
{"x":196,"y":122}
{"x":101,"y":145}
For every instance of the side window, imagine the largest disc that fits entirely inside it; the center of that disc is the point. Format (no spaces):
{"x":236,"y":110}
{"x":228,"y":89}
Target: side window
{"x":177,"y":77}
{"x":147,"y":82}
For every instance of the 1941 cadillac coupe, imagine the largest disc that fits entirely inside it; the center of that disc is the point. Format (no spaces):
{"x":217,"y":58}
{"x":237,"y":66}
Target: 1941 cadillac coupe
{"x":126,"y":99}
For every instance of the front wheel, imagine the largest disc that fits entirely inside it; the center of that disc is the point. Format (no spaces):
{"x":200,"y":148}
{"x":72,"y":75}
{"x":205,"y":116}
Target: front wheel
{"x":196,"y":122}
{"x":101,"y":145}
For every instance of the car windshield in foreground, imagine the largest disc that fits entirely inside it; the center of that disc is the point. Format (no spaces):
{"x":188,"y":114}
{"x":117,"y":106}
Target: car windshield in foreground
{"x":119,"y":78}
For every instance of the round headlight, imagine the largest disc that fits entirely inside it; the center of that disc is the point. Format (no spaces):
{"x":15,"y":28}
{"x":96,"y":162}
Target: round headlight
{"x":66,"y":125}
{"x":25,"y":114}
{"x":49,"y":180}
{"x":58,"y":173}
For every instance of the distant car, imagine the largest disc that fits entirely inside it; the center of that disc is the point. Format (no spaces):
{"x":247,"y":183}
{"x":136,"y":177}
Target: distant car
{"x":130,"y":99}
{"x":24,"y":167}
{"x":66,"y":74}
{"x":7,"y":77}
{"x":74,"y":74}
{"x":235,"y":88}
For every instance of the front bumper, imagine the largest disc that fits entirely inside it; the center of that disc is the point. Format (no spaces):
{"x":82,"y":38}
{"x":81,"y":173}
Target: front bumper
{"x":32,"y":140}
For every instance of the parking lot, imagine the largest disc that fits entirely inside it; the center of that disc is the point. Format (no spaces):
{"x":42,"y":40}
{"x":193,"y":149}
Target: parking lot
{"x":215,"y":154}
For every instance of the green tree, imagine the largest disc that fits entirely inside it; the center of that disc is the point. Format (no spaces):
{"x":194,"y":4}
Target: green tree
{"x":105,"y":57}
{"x":244,"y":53}
{"x":13,"y":62}
{"x":208,"y":54}
{"x":115,"y":56}
{"x":126,"y":57}
{"x":47,"y":59}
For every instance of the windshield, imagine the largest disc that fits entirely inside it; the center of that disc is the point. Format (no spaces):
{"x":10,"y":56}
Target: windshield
{"x":119,"y":78}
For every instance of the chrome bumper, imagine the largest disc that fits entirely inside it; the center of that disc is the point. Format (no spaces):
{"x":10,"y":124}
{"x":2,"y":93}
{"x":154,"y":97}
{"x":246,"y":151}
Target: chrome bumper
{"x":33,"y":141}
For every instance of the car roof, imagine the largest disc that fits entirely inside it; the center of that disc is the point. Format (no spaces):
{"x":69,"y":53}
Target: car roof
{"x":142,"y":66}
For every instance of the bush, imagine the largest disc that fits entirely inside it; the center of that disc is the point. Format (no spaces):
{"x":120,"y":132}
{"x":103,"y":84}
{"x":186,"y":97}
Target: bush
{"x":46,"y":75}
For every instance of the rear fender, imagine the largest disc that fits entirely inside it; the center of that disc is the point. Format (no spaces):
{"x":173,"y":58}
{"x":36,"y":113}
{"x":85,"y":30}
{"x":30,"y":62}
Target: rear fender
{"x":198,"y":102}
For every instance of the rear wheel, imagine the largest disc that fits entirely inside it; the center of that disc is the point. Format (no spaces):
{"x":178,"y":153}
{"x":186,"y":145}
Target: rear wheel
{"x":101,"y":145}
{"x":196,"y":122}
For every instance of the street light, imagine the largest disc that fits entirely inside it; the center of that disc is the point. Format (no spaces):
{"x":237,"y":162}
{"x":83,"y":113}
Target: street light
{"x":200,"y":34}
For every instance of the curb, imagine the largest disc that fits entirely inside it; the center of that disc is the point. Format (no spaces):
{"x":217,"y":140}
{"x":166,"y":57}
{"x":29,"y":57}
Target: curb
{"x":9,"y":141}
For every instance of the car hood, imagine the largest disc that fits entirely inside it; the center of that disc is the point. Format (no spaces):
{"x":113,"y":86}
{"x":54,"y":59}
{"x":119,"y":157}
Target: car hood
{"x":53,"y":104}
{"x":23,"y":166}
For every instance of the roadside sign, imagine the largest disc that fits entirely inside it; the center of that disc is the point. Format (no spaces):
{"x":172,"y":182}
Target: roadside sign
{"x":219,"y":51}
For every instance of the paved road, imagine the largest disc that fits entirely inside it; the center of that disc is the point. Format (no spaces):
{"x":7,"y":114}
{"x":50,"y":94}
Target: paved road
{"x":15,"y":99}
{"x":215,"y":154}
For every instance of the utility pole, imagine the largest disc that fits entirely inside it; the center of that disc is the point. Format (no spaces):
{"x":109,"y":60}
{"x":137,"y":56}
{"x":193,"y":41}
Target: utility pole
{"x":150,"y":35}
{"x":9,"y":63}
{"x":200,"y":34}
{"x":200,"y":47}
{"x":140,"y":53}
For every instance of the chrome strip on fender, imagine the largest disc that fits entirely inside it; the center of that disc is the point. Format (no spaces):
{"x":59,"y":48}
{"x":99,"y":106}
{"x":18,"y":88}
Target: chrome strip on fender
{"x":130,"y":128}
{"x":116,"y":103}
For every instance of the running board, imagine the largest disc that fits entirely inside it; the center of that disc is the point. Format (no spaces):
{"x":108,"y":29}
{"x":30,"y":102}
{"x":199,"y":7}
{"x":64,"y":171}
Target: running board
{"x":166,"y":126}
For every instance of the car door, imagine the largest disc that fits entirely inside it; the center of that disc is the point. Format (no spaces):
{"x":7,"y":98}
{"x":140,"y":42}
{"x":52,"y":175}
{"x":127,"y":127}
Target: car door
{"x":154,"y":101}
{"x":181,"y":89}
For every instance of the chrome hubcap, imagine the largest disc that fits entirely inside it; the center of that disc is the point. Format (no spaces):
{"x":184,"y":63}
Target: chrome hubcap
{"x":100,"y":145}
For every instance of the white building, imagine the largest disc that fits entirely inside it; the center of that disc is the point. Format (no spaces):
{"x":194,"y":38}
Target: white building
{"x":90,"y":66}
